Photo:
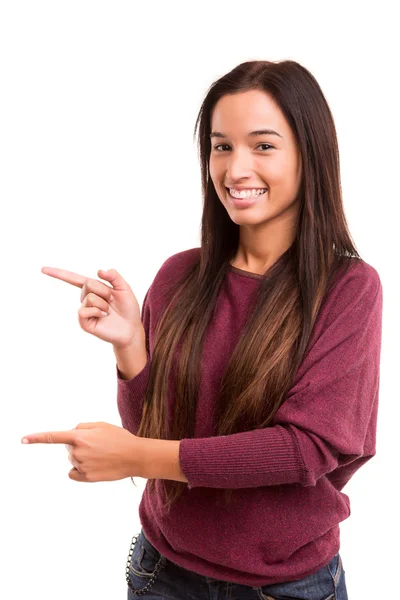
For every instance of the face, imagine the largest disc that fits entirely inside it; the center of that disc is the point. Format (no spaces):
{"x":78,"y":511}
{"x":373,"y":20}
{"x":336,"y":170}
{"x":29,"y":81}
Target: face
{"x":245,"y":161}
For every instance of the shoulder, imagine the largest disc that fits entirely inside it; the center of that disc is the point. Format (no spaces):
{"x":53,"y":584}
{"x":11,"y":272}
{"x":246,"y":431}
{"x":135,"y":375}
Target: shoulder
{"x":181,"y":260}
{"x":355,"y":295}
{"x":353,"y":303}
{"x":173,"y":269}
{"x":359,"y":280}
{"x":178,"y":263}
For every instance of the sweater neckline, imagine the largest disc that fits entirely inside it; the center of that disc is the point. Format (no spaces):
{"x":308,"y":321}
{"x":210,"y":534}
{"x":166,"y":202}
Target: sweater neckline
{"x":245,"y":273}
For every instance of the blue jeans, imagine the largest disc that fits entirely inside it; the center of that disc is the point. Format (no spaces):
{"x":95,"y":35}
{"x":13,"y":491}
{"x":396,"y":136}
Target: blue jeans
{"x":152,"y":575}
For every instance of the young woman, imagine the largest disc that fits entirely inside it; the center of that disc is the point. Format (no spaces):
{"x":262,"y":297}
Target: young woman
{"x":248,"y":386}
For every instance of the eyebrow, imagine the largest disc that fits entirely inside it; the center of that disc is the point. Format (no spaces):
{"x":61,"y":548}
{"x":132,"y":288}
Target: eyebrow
{"x":252,"y":133}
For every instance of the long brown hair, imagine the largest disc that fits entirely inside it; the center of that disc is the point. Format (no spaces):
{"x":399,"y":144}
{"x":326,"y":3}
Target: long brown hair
{"x":273,"y":342}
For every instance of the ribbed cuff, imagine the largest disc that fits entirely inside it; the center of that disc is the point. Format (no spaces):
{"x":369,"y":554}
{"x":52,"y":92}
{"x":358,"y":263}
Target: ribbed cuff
{"x":137,"y":385}
{"x":268,"y":456}
{"x":130,"y":396}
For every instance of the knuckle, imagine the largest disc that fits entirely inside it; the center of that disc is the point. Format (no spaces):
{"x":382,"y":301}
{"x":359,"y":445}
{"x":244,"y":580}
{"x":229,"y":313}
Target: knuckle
{"x":84,"y":291}
{"x":82,"y":317}
{"x":78,"y":439}
{"x":87,"y":286}
{"x":75,"y":459}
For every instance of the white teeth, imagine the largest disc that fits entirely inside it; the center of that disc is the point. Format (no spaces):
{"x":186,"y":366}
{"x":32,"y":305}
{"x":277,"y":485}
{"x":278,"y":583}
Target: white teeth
{"x":247,"y":193}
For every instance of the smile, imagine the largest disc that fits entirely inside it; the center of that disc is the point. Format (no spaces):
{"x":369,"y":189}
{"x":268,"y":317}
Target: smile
{"x":248,"y":200}
{"x":246,"y":194}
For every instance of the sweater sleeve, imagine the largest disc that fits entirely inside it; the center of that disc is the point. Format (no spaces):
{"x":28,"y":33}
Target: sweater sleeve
{"x":328,"y":419}
{"x":130,"y":393}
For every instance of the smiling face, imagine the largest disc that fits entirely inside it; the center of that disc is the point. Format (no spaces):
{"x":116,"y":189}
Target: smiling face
{"x":244,"y":159}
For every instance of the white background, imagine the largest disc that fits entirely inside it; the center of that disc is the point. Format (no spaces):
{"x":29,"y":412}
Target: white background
{"x":99,"y":170}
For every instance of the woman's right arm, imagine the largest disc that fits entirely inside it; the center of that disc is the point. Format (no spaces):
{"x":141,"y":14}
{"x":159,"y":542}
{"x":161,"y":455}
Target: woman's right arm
{"x":112,"y":313}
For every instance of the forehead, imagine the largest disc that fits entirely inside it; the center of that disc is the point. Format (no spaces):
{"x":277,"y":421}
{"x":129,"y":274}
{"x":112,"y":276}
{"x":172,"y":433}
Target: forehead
{"x":246,"y":111}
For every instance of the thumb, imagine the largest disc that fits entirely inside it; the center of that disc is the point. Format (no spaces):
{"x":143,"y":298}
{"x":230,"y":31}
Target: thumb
{"x":113,"y":277}
{"x":89,"y":425}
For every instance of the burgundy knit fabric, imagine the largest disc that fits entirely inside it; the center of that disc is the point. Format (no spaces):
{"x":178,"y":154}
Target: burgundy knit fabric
{"x":283,"y":522}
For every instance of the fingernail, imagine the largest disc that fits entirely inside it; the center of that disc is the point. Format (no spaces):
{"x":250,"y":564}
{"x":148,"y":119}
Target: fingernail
{"x":104,"y":313}
{"x":25,"y":441}
{"x":111,"y":298}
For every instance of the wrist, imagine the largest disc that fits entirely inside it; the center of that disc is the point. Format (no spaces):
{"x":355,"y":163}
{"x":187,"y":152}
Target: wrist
{"x":131,"y":358}
{"x":138,"y":340}
{"x":159,"y":459}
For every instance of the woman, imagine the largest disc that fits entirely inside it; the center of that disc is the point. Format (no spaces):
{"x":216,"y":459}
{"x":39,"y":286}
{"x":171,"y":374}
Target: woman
{"x":248,"y":387}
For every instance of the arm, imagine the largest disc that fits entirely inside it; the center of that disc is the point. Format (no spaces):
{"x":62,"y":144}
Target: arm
{"x":328,"y":419}
{"x":132,"y":368}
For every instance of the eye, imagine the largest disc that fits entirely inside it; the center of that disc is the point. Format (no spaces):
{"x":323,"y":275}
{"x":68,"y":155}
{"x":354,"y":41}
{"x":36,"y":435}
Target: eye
{"x":227,"y":145}
{"x":219,"y":146}
{"x":264,"y":144}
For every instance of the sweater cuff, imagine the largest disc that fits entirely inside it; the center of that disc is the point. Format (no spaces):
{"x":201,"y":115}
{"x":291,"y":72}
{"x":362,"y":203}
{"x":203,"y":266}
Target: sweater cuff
{"x":130,"y":396}
{"x":136,"y":386}
{"x":261,"y":457}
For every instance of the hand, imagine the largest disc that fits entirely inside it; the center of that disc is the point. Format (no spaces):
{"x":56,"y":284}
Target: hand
{"x":122,"y":323}
{"x":98,"y":451}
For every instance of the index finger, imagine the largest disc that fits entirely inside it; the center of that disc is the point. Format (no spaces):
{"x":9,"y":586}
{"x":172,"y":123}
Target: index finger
{"x":68,"y":276}
{"x":50,"y":437}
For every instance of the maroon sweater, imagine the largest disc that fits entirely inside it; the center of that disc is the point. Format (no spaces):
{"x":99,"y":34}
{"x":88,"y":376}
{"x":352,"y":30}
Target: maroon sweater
{"x":283,"y":523}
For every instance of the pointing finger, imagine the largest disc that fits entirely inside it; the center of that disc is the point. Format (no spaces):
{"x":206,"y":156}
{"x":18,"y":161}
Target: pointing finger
{"x":67,"y":276}
{"x":50,"y":437}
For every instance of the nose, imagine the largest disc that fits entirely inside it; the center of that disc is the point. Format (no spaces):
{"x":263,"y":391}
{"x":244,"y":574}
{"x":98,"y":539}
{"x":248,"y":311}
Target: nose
{"x":239,"y":165}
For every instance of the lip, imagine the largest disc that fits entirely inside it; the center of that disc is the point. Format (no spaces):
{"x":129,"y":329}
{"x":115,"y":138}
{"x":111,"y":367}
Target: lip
{"x":244,"y":202}
{"x":248,"y":187}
